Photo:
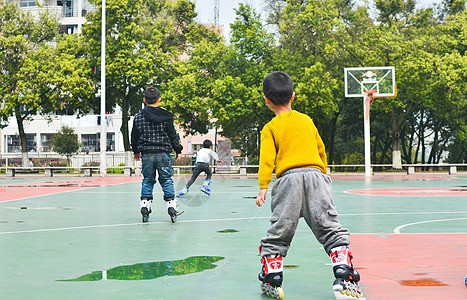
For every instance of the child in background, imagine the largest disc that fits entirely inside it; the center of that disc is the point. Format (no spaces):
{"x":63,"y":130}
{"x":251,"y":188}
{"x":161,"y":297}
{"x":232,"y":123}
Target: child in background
{"x":203,"y":158}
{"x":291,"y":144}
{"x":153,"y":137}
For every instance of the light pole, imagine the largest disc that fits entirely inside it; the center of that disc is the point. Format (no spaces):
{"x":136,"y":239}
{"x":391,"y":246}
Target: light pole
{"x":103,"y":140}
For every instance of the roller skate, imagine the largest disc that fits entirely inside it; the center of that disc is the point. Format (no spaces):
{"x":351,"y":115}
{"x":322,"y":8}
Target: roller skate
{"x":347,"y":277}
{"x":182,"y":192}
{"x":271,"y":276}
{"x":145,"y":206}
{"x":172,"y":209}
{"x":206,"y":187}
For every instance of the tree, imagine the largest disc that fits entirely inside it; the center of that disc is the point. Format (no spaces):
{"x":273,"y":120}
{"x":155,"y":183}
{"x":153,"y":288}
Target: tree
{"x":222,"y":83}
{"x":23,"y":41}
{"x":237,"y":98}
{"x":66,"y":142}
{"x":144,"y":40}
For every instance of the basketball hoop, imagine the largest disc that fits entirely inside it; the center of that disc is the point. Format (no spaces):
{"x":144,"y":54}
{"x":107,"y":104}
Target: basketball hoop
{"x":369,"y":99}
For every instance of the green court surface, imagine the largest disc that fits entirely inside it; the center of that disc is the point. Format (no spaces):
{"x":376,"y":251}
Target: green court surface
{"x":76,"y":238}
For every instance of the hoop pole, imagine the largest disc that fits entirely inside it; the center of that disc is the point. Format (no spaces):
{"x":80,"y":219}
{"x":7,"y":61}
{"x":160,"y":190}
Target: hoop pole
{"x":366,"y":129}
{"x":103,"y":139}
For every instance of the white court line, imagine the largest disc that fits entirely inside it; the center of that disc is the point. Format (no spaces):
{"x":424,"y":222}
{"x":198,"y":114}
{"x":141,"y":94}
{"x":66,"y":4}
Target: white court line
{"x":137,"y":193}
{"x":60,"y":192}
{"x":219,"y":220}
{"x":128,"y":224}
{"x":406,"y":213}
{"x":397,"y":230}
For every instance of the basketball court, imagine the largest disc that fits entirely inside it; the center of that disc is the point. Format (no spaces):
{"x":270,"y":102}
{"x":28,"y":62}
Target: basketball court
{"x":82,"y":238}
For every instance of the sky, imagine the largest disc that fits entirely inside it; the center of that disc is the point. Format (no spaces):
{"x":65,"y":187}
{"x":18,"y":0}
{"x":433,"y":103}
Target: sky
{"x":205,"y":9}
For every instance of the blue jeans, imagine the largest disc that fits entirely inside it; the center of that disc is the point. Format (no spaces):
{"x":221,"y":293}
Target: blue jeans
{"x":162,"y":162}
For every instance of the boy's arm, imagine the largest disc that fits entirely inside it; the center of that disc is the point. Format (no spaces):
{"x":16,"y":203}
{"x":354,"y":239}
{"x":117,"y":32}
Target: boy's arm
{"x":174,"y":137}
{"x":267,"y":158}
{"x":261,"y":197}
{"x":134,"y":138}
{"x":216,"y":157}
{"x":321,"y":151}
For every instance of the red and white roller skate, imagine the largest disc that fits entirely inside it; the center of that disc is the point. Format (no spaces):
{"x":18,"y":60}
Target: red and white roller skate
{"x":271,"y":276}
{"x":347,"y":277}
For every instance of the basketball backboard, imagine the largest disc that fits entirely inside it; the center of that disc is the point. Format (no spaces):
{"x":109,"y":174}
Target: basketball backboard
{"x":359,"y":80}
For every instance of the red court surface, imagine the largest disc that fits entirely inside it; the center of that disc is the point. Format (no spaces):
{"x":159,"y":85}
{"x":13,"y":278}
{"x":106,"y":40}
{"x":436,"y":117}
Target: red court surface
{"x":407,"y":266}
{"x":431,"y":266}
{"x":17,"y":191}
{"x":424,"y":192}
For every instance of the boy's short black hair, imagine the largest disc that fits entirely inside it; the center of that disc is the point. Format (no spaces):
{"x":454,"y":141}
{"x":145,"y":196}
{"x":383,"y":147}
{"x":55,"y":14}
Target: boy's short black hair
{"x":207,"y":143}
{"x":151,"y":94}
{"x":278,"y":87}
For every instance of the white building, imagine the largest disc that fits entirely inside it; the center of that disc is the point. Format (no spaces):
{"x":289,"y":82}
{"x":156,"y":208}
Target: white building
{"x":40,"y":130}
{"x":71,"y":16}
{"x":70,"y":13}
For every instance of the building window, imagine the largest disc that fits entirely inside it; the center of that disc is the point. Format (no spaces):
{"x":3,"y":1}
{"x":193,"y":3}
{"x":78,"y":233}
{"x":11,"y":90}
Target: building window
{"x":110,"y":141}
{"x":14,"y":144}
{"x":196,"y":147}
{"x":27,"y":3}
{"x":91,"y":142}
{"x":45,"y":142}
{"x":68,"y":8}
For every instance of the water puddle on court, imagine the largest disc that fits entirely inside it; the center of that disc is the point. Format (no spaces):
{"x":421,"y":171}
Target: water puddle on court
{"x":153,"y":270}
{"x":228,"y":231}
{"x":422,"y":282}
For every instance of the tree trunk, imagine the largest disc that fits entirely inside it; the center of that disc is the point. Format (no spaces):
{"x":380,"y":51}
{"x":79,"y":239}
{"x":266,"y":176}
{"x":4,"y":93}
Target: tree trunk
{"x":333,"y":137}
{"x":396,"y":151}
{"x":22,"y":137}
{"x":434,"y":148}
{"x":124,"y":128}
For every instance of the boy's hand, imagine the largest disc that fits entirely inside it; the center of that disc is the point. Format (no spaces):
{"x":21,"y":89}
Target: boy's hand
{"x":261,"y":197}
{"x":137,"y":156}
{"x":220,"y":161}
{"x":177,"y":157}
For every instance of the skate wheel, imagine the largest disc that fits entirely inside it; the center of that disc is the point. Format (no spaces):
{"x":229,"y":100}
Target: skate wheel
{"x":280,"y":293}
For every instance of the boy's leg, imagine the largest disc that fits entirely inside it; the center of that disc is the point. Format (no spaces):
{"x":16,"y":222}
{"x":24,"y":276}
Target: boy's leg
{"x":196,"y":171}
{"x":186,"y":188}
{"x":148,"y":170}
{"x":149,"y":173}
{"x":208,"y":171}
{"x":285,"y":206}
{"x":321,"y":215}
{"x":319,"y":211}
{"x":207,"y":182}
{"x":164,"y":168}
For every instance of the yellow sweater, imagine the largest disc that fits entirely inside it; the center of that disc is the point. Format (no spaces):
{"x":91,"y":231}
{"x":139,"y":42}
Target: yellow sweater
{"x":290,"y":140}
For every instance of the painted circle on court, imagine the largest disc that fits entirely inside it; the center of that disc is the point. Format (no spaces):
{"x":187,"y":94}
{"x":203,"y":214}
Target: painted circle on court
{"x":423,"y":192}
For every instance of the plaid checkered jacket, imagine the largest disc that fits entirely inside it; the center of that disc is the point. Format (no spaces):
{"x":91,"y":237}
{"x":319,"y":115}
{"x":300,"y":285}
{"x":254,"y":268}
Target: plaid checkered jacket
{"x":154,"y":131}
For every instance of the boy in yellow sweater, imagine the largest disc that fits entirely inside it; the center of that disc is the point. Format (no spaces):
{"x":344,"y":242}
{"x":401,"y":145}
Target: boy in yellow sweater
{"x":291,"y":143}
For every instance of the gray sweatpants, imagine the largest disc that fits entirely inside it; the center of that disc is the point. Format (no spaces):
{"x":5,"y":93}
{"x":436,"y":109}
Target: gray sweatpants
{"x":307,"y":193}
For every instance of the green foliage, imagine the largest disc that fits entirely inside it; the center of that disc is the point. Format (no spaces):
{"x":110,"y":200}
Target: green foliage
{"x":66,"y":142}
{"x":144,"y":40}
{"x":208,"y":82}
{"x":37,"y":75}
